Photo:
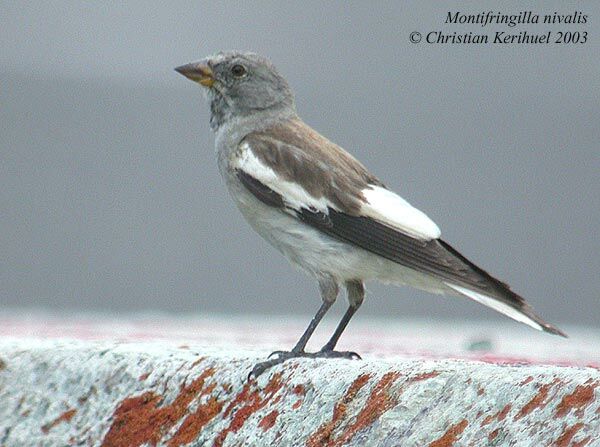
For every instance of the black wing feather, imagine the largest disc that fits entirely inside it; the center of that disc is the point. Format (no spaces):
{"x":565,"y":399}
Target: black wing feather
{"x":260,"y":191}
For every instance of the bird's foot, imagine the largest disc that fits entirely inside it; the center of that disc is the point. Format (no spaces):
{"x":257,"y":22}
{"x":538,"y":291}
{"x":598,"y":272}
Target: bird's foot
{"x":282,"y":356}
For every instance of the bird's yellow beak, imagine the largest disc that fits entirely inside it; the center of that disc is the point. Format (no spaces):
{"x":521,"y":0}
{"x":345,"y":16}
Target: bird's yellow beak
{"x":198,"y":72}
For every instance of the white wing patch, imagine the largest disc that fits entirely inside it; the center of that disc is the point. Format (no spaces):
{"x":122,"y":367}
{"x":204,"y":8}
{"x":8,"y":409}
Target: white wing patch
{"x":381,"y":204}
{"x":391,"y":209}
{"x":497,"y":305}
{"x":292,"y":193}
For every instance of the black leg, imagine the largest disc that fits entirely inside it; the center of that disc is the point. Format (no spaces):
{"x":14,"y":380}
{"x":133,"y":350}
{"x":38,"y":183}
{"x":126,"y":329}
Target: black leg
{"x":339,"y":329}
{"x":312,"y":326}
{"x":329,"y":292}
{"x":356,"y":295}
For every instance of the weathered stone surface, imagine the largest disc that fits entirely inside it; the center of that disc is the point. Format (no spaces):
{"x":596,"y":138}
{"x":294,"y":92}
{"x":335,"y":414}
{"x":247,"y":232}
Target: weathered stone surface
{"x":114,"y":390}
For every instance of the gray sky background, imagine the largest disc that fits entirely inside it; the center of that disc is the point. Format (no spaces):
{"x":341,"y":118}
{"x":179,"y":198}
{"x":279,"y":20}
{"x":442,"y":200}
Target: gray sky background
{"x":110,"y":197}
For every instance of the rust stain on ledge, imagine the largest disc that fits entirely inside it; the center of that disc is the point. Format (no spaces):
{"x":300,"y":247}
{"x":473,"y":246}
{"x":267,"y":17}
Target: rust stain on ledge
{"x":500,"y":416}
{"x":300,"y":391}
{"x":269,"y":420}
{"x":585,"y":441}
{"x":322,"y":436}
{"x":538,"y":401}
{"x":493,"y":434}
{"x":451,"y":436}
{"x":379,"y":401}
{"x":424,"y":376}
{"x":141,"y":420}
{"x":197,"y":362}
{"x":526,"y":381}
{"x":579,"y":399}
{"x":249,"y":400}
{"x":564,"y":440}
{"x":502,"y":413}
{"x":194,"y":422}
{"x":64,"y":417}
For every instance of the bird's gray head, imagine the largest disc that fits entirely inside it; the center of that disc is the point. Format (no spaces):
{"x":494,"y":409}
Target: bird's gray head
{"x":239,"y":84}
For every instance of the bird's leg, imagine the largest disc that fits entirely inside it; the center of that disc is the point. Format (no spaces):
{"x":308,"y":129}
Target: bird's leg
{"x":329,"y":291}
{"x":356,"y":295}
{"x":325,"y":306}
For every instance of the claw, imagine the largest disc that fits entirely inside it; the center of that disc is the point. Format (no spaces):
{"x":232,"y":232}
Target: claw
{"x":355,"y":356}
{"x":275,"y":353}
{"x":328,"y":354}
{"x":261,"y":367}
{"x":282,"y":356}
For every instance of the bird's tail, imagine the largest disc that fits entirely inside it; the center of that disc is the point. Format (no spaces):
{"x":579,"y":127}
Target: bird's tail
{"x":518,"y":310}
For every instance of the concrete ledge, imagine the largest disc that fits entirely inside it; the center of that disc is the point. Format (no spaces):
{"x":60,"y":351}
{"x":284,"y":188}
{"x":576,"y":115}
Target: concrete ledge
{"x":61,"y":392}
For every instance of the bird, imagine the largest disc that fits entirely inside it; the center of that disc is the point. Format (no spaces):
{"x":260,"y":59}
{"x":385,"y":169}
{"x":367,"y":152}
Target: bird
{"x":322,"y":209}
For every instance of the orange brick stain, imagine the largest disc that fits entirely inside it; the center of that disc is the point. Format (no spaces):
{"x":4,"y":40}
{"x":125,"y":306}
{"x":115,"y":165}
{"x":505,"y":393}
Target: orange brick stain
{"x":498,"y":416}
{"x":64,"y":417}
{"x":583,"y":442}
{"x":141,"y":420}
{"x":493,"y":434}
{"x":193,"y":423}
{"x":451,"y":436}
{"x":578,"y":400}
{"x":300,"y":391}
{"x":297,"y":404}
{"x":268,"y":421}
{"x":538,"y":401}
{"x":489,"y":418}
{"x":379,"y":401}
{"x":249,"y":400}
{"x":424,"y":376}
{"x":564,"y":440}
{"x":198,"y":361}
{"x":526,"y":381}
{"x":323,"y":435}
{"x":502,"y":413}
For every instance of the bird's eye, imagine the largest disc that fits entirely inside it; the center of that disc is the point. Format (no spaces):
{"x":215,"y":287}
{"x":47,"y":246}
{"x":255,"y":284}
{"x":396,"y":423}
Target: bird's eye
{"x":239,"y":70}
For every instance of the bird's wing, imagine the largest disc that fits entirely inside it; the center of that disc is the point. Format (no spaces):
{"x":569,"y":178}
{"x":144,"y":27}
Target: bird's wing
{"x":312,"y":173}
{"x":292,"y":167}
